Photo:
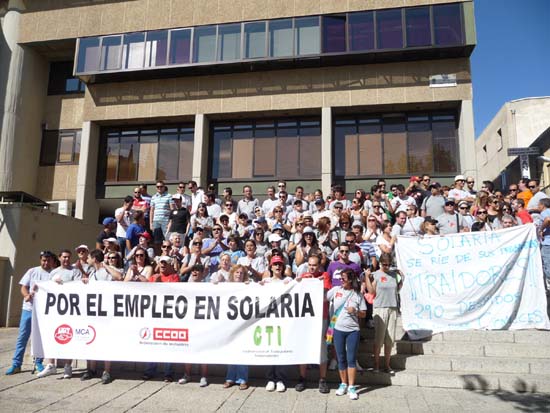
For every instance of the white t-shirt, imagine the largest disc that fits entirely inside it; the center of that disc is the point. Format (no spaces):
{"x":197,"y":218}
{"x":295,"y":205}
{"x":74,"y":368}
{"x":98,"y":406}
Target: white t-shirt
{"x":458,"y":194}
{"x":123,"y":224}
{"x":399,"y":204}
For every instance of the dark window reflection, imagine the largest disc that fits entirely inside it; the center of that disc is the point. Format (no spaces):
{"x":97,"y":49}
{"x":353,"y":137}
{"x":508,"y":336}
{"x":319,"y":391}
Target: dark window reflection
{"x":447,"y":24}
{"x":418,"y":26}
{"x":361,"y":31}
{"x":389,"y":29}
{"x":334,"y":34}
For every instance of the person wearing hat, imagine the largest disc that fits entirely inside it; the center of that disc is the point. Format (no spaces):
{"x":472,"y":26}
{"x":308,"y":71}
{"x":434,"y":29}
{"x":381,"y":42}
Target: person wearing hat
{"x":108,"y":231}
{"x":28,"y":288}
{"x":144,"y":241}
{"x":450,"y":222}
{"x":464,"y":211}
{"x":433,"y":204}
{"x":280,"y":230}
{"x":458,"y":193}
{"x":81,"y":263}
{"x":429,"y":227}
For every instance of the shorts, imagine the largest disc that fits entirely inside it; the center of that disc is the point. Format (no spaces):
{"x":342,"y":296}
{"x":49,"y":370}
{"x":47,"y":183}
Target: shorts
{"x":385,"y":324}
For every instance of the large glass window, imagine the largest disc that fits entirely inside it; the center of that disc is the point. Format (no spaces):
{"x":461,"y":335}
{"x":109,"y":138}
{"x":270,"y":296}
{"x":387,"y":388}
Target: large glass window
{"x":148,"y":154}
{"x":448,"y":24}
{"x":395,"y":145}
{"x":308,"y":38}
{"x":254,"y":40}
{"x":229,"y":42}
{"x":281,"y":38}
{"x":180,"y":46}
{"x":389,"y":29}
{"x":204,"y":44}
{"x":288,"y":148}
{"x":60,"y":147}
{"x":88,"y":55}
{"x":156,"y":48}
{"x":334,"y":34}
{"x":133,"y":52}
{"x":418,"y":26}
{"x":110,"y":53}
{"x":361,"y":31}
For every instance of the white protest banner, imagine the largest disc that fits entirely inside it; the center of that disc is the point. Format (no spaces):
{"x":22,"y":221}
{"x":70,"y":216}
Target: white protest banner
{"x":475,"y":280}
{"x":227,"y":323}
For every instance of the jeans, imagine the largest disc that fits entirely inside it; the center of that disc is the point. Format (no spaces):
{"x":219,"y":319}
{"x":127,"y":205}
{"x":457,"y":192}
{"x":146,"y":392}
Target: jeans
{"x":23,"y":338}
{"x":545,"y":253}
{"x":151,"y":369}
{"x":237,"y":374}
{"x":346,"y":344}
{"x":276,"y":373}
{"x":122,"y":245}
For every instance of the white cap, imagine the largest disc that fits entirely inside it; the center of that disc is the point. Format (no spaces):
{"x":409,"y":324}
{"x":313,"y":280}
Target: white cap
{"x":82,"y":247}
{"x":112,"y":239}
{"x":308,"y":230}
{"x":165,"y":258}
{"x":275,"y":238}
{"x":460,"y":178}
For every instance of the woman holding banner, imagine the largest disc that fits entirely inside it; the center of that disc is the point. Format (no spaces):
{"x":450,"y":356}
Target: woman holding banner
{"x":237,"y":374}
{"x":140,"y":269}
{"x":385,"y":285}
{"x":348,"y":306}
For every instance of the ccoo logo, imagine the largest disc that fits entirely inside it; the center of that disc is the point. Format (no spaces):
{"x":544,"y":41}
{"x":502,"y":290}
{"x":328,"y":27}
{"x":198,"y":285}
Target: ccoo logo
{"x":63,"y":334}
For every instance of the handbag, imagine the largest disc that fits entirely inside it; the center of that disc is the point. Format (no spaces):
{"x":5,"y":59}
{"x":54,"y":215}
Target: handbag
{"x":330,"y":330}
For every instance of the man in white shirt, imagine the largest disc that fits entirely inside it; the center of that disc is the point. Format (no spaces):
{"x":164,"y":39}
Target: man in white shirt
{"x":458,"y":193}
{"x":533,"y":205}
{"x":271,"y":200}
{"x":197,"y":196}
{"x":402,"y":200}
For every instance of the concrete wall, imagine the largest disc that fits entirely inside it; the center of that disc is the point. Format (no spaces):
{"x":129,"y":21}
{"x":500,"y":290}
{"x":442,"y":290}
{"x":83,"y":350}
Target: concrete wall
{"x":25,"y":231}
{"x":61,"y":19}
{"x":56,"y":182}
{"x":520,"y":123}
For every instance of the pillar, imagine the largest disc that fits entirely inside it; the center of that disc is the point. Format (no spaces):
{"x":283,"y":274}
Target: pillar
{"x":466,"y":140}
{"x":87,"y":206}
{"x":326,"y":150}
{"x":200,"y":149}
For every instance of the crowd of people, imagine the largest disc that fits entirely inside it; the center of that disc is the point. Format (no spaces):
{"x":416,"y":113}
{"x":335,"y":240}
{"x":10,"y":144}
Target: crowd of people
{"x":347,"y":243}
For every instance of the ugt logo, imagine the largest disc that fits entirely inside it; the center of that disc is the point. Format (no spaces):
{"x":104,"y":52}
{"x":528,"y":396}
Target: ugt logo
{"x":63,"y":334}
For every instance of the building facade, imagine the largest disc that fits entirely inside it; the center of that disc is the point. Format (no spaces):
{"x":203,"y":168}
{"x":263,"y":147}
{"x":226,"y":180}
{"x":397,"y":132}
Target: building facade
{"x":520,"y":123}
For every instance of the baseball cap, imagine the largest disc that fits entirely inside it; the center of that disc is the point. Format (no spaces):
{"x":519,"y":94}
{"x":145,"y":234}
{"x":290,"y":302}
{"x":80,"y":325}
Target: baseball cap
{"x":462,"y":203}
{"x":82,"y":247}
{"x":111,"y":239}
{"x":319,"y":201}
{"x":145,"y":235}
{"x":108,"y":221}
{"x":414,"y":179}
{"x":434,"y":185}
{"x":275,"y":238}
{"x":165,"y":258}
{"x":357,"y":224}
{"x":277,"y":259}
{"x":47,"y":254}
{"x":277,"y":226}
{"x":307,"y":214}
{"x":460,"y":178}
{"x":260,"y":220}
{"x":450,"y":202}
{"x":243,"y":215}
{"x":308,"y":230}
{"x":431,"y":220}
{"x":177,"y":196}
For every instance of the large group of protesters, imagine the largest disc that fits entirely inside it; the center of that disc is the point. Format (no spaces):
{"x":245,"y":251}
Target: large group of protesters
{"x":346,"y":242}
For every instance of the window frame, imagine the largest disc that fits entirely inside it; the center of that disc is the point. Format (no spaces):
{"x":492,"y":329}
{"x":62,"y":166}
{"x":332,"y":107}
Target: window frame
{"x":76,"y":136}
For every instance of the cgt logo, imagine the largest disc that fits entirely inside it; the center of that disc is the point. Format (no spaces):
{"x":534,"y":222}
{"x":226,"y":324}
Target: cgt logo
{"x":63,"y":334}
{"x":171,"y":334}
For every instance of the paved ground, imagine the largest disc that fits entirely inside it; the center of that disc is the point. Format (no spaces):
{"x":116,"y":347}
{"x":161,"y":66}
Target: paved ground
{"x":23,"y":392}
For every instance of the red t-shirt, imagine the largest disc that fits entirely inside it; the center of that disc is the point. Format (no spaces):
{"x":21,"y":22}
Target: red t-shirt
{"x":525,"y":216}
{"x":169,"y":278}
{"x":140,"y":204}
{"x":327,"y":285}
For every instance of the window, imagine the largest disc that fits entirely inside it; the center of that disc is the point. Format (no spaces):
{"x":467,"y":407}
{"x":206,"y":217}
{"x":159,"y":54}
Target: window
{"x":180,"y":46}
{"x":204,"y":44}
{"x":448,"y":24}
{"x":133,"y":52}
{"x":361,"y":31}
{"x":148,"y":154}
{"x":308,"y":39}
{"x":88,"y":55}
{"x":254,"y":40}
{"x":281,"y":38}
{"x":229,"y":42}
{"x":60,"y":147}
{"x":499,"y":140}
{"x":418,"y":26}
{"x":270,"y":149}
{"x":395,"y":144}
{"x":61,"y":80}
{"x":110,"y":53}
{"x":334,"y":34}
{"x":389,"y":29}
{"x":156,"y":48}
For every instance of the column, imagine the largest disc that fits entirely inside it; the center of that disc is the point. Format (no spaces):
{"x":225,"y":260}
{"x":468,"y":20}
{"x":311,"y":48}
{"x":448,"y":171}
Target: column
{"x":200,"y":149}
{"x":87,"y":206}
{"x":466,"y":140}
{"x":326,"y":150}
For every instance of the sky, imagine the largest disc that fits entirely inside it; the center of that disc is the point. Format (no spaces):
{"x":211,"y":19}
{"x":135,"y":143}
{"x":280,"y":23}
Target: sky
{"x":512,"y":57}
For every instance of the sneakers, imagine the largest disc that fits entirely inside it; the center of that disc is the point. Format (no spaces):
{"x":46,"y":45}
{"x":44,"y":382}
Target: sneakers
{"x":38,"y":366}
{"x":203,"y":382}
{"x":67,"y":371}
{"x":280,"y":387}
{"x":106,"y":378}
{"x":323,"y":386}
{"x":342,"y":389}
{"x":301,"y":386}
{"x":13,"y":370}
{"x":88,"y":374}
{"x":270,"y":386}
{"x":168,"y":378}
{"x":184,"y":380}
{"x":333,"y":365}
{"x":352,"y":393}
{"x":48,"y":371}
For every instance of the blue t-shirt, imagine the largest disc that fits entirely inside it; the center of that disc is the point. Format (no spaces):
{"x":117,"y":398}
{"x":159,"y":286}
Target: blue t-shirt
{"x":546,"y":233}
{"x":132,"y":234}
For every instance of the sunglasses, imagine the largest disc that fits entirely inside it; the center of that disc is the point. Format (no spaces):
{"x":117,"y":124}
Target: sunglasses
{"x":139,"y":255}
{"x":344,"y":251}
{"x":165,"y":246}
{"x":277,"y":210}
{"x":281,"y":186}
{"x":371,"y":220}
{"x":299,"y":224}
{"x":532,"y":186}
{"x":160,"y":186}
{"x":229,"y":205}
{"x":470,"y":182}
{"x":181,"y":187}
{"x":136,"y":192}
{"x":197,"y":243}
{"x":338,"y":207}
{"x":460,"y":180}
{"x":216,"y":229}
{"x":481,"y":212}
{"x":112,"y":258}
{"x":494,"y":202}
{"x":463,"y":208}
{"x":513,"y":189}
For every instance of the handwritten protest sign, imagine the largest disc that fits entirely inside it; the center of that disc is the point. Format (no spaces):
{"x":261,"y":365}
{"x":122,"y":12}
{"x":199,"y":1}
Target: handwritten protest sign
{"x":228,"y":323}
{"x":477,"y":280}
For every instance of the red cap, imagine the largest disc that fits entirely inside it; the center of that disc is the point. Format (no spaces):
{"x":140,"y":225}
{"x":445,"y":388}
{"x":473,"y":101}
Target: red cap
{"x":146,"y":235}
{"x":277,"y":259}
{"x":414,"y":179}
